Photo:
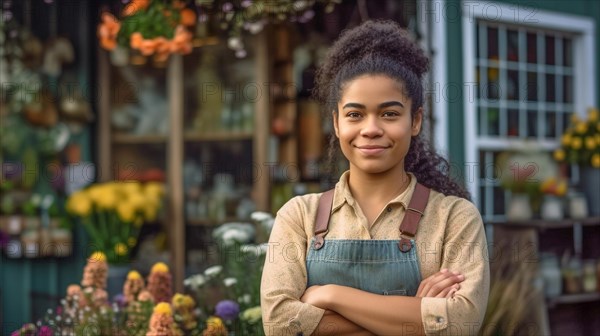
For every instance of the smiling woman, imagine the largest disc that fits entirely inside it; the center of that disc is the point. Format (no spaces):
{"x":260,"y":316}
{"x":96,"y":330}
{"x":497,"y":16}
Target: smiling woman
{"x":396,"y":247}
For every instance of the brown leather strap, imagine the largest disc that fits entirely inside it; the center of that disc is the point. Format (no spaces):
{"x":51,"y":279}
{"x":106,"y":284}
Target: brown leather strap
{"x":323,"y":215}
{"x":414,"y":212}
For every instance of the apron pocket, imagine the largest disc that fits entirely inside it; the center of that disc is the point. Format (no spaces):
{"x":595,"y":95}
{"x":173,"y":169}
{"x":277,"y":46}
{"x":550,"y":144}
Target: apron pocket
{"x":401,"y":292}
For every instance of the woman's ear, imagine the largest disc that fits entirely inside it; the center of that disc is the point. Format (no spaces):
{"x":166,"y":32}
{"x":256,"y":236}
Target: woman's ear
{"x":417,"y":121}
{"x":334,"y":117}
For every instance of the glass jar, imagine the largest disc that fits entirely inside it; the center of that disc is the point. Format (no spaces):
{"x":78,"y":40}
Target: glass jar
{"x":589,"y":276}
{"x":550,"y":273}
{"x":577,"y":206}
{"x":572,"y":276}
{"x":552,"y":208}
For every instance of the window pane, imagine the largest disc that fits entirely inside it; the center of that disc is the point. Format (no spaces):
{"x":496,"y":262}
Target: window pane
{"x":568,"y":89}
{"x":550,"y":55}
{"x":499,"y":205}
{"x":513,"y":123}
{"x":532,"y":87}
{"x":493,"y":87}
{"x":512,"y":53}
{"x":512,"y":86}
{"x":532,"y":128}
{"x":492,"y":34}
{"x":550,"y":124}
{"x":567,"y":52}
{"x":550,"y":88}
{"x":531,"y":48}
{"x":566,"y":121}
{"x":493,"y":121}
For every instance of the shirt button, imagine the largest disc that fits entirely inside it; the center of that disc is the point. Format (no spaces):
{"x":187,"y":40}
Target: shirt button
{"x":389,"y":209}
{"x":439,"y":319}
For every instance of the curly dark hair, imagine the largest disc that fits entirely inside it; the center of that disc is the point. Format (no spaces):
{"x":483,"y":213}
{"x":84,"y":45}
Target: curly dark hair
{"x":384,"y":48}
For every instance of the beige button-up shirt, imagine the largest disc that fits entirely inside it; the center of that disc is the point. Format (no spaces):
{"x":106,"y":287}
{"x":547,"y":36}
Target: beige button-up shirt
{"x":450,"y":235}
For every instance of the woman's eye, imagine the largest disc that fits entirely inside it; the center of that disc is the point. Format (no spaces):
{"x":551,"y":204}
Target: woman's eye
{"x":390,"y":114}
{"x":353,"y":115}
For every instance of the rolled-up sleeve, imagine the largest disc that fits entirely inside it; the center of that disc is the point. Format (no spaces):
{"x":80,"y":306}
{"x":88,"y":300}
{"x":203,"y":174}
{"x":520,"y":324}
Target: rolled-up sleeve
{"x":464,"y":250}
{"x":284,"y":276}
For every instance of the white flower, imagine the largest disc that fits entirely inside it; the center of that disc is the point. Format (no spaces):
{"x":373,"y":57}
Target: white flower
{"x":213,"y":271}
{"x":232,"y":236}
{"x":245,"y":298}
{"x":223,"y":232}
{"x":229,"y":282}
{"x":235,"y":43}
{"x":252,"y":249}
{"x":260,"y":216}
{"x":195,"y":281}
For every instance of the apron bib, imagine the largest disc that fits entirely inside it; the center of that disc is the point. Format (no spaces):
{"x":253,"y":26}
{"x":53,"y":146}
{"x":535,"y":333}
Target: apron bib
{"x":386,"y":267}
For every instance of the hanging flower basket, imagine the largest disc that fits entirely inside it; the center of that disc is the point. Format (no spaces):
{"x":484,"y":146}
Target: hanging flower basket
{"x":151,"y":27}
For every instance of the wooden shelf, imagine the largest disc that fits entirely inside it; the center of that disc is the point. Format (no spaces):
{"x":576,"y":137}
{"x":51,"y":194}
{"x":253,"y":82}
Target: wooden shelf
{"x":543,"y":224}
{"x":574,"y":298}
{"x":217,"y":136}
{"x":133,"y":139}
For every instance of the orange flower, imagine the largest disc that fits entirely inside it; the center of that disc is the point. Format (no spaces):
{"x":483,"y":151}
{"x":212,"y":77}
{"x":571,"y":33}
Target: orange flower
{"x":108,"y":30}
{"x":188,"y":17}
{"x":162,"y":45}
{"x":135,"y":40}
{"x":182,"y":42}
{"x":134,"y":6}
{"x":147,"y":47}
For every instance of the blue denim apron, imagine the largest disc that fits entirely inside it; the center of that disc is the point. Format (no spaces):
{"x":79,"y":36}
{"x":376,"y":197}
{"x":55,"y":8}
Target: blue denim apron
{"x":375,"y":266}
{"x":385,"y":267}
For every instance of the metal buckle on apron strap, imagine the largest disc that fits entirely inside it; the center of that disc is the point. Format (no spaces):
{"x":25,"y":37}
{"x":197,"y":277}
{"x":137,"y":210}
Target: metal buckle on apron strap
{"x":319,"y":240}
{"x":404,"y":244}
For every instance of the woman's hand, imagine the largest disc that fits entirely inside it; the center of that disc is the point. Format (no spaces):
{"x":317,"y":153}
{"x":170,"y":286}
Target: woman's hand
{"x":317,"y":296}
{"x":442,"y":284}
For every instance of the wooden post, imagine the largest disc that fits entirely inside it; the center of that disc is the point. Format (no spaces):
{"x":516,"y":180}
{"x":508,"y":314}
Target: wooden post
{"x":175,"y":224}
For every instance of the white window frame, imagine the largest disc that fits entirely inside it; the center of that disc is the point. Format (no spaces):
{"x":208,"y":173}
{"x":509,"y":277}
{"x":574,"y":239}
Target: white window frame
{"x":584,"y":66}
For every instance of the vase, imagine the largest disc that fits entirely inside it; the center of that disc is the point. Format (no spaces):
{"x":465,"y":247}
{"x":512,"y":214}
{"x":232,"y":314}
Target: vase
{"x":117,"y":274}
{"x":119,"y":56}
{"x":519,"y":208}
{"x":552,"y":208}
{"x":590,"y":186}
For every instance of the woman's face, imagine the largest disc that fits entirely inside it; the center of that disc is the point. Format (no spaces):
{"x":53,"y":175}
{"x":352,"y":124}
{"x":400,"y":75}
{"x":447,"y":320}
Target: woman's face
{"x":374,"y":124}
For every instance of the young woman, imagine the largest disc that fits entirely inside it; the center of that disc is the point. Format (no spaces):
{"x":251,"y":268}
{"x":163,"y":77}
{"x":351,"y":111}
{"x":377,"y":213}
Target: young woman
{"x":396,"y":247}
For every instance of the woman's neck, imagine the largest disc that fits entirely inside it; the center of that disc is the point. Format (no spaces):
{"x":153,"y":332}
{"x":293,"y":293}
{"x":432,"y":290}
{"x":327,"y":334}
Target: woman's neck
{"x":376,"y":190}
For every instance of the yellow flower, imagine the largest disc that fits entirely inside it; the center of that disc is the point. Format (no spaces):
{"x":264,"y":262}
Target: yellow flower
{"x":104,"y":195}
{"x":159,"y":267}
{"x":131,"y":241}
{"x":596,"y":160}
{"x":133,"y":275}
{"x":126,"y":212}
{"x":561,"y":188}
{"x":163,"y":308}
{"x":593,"y":114}
{"x":590,"y":142}
{"x":154,"y":188}
{"x":121,"y":249}
{"x":79,"y":204}
{"x":576,"y":143}
{"x":597,"y":139}
{"x":214,"y":327}
{"x":98,"y":256}
{"x":581,"y":127}
{"x":559,"y":155}
{"x":566,"y":139}
{"x":252,"y":315}
{"x":150,"y":213}
{"x":182,"y":301}
{"x":574,"y":118}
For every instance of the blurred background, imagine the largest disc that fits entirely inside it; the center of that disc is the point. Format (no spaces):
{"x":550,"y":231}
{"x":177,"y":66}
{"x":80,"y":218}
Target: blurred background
{"x":137,"y":128}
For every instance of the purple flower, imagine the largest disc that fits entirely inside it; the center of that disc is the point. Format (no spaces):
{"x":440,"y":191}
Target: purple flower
{"x":45,"y":331}
{"x":227,"y":309}
{"x":119,"y":299}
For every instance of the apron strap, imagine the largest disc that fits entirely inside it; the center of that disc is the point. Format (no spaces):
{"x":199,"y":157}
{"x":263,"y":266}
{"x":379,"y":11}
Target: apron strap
{"x":414,"y":212}
{"x":322,"y":220}
{"x":408,"y":227}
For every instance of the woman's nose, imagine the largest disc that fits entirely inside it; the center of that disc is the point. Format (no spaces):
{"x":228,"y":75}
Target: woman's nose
{"x":371,"y":128}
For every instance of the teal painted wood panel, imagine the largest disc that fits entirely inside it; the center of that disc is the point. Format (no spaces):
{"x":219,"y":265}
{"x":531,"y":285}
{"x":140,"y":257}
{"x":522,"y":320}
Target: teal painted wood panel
{"x":48,"y":278}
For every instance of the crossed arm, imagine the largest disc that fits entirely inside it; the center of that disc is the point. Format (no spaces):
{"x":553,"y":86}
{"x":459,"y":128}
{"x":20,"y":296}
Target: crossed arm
{"x":351,"y":311}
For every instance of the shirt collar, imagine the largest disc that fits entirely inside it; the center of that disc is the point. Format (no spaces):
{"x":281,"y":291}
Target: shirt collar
{"x":343,"y":195}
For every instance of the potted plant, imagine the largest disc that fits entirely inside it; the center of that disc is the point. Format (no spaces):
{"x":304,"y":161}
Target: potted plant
{"x":580,"y":146}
